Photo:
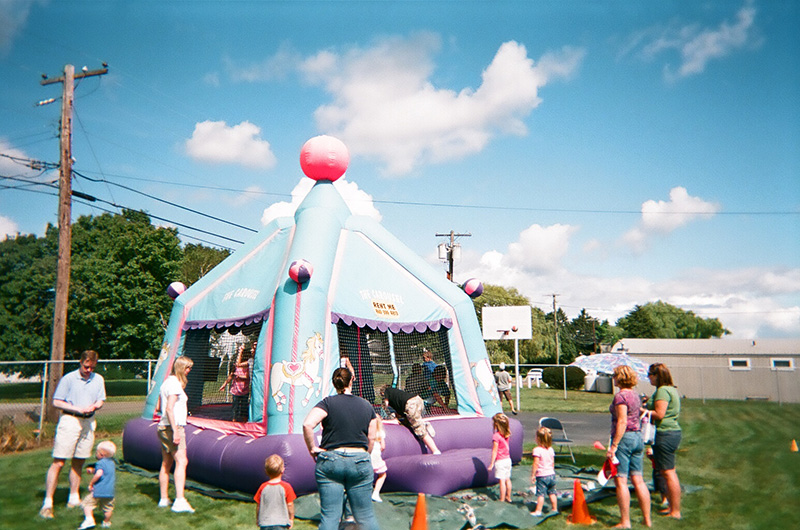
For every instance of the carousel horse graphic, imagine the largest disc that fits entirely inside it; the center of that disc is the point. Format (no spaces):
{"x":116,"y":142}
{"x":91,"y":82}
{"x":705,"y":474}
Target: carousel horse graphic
{"x":298,"y":373}
{"x":485,"y":378}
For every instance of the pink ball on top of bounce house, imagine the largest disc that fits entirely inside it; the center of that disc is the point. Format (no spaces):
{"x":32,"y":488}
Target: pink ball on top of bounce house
{"x":324,"y":158}
{"x":175,"y":289}
{"x":473,"y":287}
{"x":300,"y":271}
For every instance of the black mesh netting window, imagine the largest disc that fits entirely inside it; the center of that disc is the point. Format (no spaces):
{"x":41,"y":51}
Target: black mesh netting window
{"x":398,"y":359}
{"x":218,"y":385}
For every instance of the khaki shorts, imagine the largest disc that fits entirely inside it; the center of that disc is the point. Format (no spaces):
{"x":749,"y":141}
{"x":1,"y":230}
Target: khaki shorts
{"x":104,"y":503}
{"x":167,"y":439}
{"x":74,"y":437}
{"x":414,"y":409}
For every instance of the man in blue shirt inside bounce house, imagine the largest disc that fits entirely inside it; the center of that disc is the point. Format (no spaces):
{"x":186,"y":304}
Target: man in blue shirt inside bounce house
{"x":78,"y":394}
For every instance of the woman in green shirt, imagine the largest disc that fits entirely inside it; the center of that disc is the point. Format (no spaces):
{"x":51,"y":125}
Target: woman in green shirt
{"x":666,"y":406}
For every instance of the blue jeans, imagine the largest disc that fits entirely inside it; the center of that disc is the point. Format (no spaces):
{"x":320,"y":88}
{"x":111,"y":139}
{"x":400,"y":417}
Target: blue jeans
{"x":340,"y":473}
{"x":630,"y":454}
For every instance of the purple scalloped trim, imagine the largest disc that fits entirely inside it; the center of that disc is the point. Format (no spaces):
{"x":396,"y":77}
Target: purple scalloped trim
{"x":221,"y":324}
{"x":394,"y":327}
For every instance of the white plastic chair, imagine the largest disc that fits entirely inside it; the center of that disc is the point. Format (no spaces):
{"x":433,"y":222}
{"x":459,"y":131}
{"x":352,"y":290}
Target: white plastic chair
{"x":534,"y":376}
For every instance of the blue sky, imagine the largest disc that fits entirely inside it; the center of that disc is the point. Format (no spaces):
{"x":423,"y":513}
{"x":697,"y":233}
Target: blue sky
{"x":613,"y":153}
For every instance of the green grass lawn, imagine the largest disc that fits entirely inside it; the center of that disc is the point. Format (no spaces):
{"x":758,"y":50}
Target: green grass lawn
{"x":735,"y":456}
{"x":552,"y":400}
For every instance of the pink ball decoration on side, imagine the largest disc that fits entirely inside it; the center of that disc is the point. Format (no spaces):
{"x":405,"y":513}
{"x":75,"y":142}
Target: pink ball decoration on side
{"x":324,"y":158}
{"x":175,"y":289}
{"x":300,"y":271}
{"x":473,"y":287}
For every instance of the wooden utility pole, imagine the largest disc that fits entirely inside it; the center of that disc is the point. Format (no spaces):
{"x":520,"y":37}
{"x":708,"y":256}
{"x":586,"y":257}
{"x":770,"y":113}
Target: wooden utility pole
{"x":555,"y":321}
{"x":451,"y":248}
{"x":64,"y":228}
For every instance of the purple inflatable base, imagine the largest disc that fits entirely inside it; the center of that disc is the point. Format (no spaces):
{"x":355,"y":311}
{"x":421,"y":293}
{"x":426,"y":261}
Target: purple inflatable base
{"x":236,"y":463}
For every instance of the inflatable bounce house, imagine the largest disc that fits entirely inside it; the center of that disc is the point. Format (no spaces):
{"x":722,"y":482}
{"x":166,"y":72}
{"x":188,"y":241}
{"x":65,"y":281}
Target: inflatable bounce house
{"x":267,"y":327}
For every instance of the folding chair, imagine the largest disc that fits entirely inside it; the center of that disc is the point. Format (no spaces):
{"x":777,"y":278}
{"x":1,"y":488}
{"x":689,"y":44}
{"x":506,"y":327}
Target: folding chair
{"x":561,"y":439}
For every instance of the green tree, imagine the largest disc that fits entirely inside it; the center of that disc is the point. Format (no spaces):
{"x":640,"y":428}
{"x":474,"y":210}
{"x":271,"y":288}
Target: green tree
{"x":567,"y":346}
{"x":198,"y":260}
{"x":121,"y":266}
{"x":608,"y":333}
{"x":542,"y":346}
{"x":27,"y":291}
{"x":583,"y":332}
{"x":659,"y":320}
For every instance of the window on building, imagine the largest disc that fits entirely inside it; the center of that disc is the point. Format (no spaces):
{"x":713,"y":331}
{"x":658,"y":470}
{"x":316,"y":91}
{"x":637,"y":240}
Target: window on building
{"x":739,"y":364}
{"x":786,"y":364}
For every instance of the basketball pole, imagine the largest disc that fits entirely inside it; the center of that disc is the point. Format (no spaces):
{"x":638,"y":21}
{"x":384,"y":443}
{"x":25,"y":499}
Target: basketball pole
{"x":516,"y":369}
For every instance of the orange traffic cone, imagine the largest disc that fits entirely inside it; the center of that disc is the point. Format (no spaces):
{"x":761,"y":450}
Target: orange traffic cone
{"x":580,"y":510}
{"x":420,"y":520}
{"x":793,"y":447}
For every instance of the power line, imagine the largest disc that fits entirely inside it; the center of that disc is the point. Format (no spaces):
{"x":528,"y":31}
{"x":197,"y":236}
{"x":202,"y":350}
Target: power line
{"x":88,"y":200}
{"x":115,"y":205}
{"x":186,"y":208}
{"x":36,"y":165}
{"x":473,"y":206}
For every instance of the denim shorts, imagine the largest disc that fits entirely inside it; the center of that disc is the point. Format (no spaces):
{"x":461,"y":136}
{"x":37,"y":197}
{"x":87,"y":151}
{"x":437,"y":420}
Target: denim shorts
{"x":665,"y":447}
{"x":630,"y":454}
{"x":545,"y":485}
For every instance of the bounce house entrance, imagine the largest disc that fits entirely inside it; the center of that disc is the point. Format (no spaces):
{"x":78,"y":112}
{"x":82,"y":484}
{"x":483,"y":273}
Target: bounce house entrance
{"x":218,"y":386}
{"x":418,"y":362}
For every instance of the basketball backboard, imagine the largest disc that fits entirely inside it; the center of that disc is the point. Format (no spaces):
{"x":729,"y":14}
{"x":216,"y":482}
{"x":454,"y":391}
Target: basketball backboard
{"x":507,"y":322}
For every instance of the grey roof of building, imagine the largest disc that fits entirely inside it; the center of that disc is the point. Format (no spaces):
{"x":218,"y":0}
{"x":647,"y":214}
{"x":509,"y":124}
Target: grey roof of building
{"x":708,"y":346}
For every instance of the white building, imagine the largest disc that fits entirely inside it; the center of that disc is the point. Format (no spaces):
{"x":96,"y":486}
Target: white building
{"x":724,"y":368}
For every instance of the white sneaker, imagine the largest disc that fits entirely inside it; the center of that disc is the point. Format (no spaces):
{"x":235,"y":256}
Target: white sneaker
{"x":73,"y":502}
{"x":87,"y":523}
{"x":376,"y":498}
{"x":182,"y":506}
{"x":163,"y":503}
{"x":106,"y":524}
{"x":536,"y":514}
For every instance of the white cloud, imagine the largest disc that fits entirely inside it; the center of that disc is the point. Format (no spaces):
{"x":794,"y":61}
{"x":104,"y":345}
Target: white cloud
{"x":386,"y":107}
{"x":663,"y":217}
{"x":216,"y":142}
{"x":13,"y":17}
{"x":750,"y":302}
{"x":275,"y":67}
{"x":8,"y":227}
{"x":9,"y":167}
{"x":540,"y":248}
{"x":696,"y":46}
{"x":212,"y":79}
{"x":359,"y":201}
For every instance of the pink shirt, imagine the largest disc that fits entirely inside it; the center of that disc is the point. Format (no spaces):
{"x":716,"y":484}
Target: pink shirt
{"x":502,"y":446}
{"x":547,"y":461}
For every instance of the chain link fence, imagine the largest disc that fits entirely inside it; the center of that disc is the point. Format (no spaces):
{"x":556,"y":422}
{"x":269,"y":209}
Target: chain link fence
{"x":23,"y":387}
